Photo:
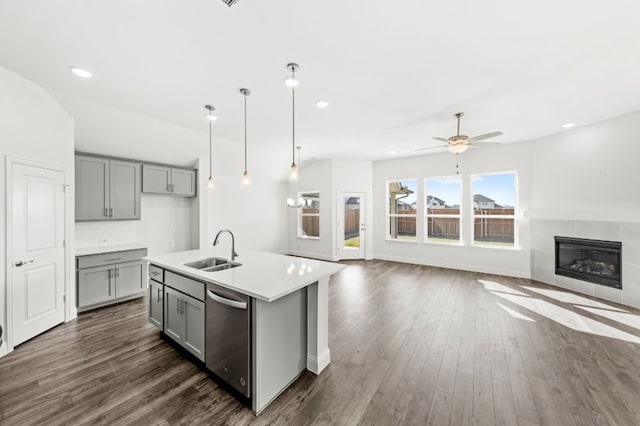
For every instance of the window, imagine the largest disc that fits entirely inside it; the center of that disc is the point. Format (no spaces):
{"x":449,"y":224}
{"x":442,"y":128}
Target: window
{"x":442,"y":207}
{"x":309,"y":215}
{"x":401,"y":211}
{"x":494,"y":209}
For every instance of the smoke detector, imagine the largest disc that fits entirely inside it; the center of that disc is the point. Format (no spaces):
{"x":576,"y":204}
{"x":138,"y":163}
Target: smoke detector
{"x":230,"y":2}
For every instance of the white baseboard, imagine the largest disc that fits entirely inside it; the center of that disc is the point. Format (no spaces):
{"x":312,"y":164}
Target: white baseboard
{"x":460,"y":267}
{"x":316,"y":365}
{"x":4,"y":348}
{"x":313,"y":256}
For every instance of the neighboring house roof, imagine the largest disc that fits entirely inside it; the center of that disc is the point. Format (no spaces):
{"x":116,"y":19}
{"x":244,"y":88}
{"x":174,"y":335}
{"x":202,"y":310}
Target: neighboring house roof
{"x":479,"y":198}
{"x":436,"y":199}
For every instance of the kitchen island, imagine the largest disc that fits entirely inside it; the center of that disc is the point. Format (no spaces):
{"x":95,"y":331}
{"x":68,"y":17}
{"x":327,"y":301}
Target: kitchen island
{"x":257,"y":322}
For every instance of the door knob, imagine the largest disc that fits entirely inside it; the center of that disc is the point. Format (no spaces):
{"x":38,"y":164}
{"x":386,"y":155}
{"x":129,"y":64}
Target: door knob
{"x":20,"y":263}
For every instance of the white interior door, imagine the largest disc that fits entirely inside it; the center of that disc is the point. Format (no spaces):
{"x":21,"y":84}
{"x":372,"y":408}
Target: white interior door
{"x":38,"y":269}
{"x":351,"y":225}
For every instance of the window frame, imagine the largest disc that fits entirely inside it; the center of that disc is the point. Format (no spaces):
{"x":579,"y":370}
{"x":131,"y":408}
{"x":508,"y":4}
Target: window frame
{"x":301,"y":215}
{"x":459,"y":216}
{"x":514,"y":216}
{"x":388,"y":215}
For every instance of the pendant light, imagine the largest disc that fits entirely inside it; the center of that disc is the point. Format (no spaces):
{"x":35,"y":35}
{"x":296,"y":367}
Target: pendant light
{"x":291,"y":202}
{"x":211,"y":119}
{"x":292,"y":82}
{"x":245,"y":175}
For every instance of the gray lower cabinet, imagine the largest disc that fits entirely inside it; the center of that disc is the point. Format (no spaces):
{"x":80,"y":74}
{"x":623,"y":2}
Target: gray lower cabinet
{"x":95,"y":286}
{"x":168,"y":180}
{"x":184,"y":320}
{"x":107,"y":189}
{"x":103,"y":279}
{"x":156,"y":304}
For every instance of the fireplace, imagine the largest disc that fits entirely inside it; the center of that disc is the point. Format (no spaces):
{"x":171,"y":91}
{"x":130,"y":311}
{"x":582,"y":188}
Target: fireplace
{"x":594,"y":261}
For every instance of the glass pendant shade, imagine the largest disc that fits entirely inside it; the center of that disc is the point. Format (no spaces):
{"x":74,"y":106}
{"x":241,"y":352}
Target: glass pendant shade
{"x":245,"y":178}
{"x":293,"y":173}
{"x":458,"y":149}
{"x":210,"y":184}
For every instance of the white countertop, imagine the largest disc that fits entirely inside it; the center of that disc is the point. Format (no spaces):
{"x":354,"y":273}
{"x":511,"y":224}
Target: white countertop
{"x":87,"y":251}
{"x":265,"y":276}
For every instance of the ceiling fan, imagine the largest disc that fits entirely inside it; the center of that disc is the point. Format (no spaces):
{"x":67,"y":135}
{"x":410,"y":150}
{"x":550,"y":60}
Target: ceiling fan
{"x":460,"y":143}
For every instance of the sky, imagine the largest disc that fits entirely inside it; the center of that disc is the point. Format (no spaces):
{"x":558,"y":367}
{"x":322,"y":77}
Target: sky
{"x":500,"y":188}
{"x":447,"y":189}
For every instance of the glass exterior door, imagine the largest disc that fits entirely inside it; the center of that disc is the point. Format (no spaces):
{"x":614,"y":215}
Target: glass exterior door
{"x":352,"y":225}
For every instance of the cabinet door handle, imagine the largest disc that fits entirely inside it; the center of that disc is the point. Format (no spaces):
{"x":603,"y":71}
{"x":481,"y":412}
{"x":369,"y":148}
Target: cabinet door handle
{"x":178,"y":307}
{"x":106,"y":212}
{"x":158,"y":292}
{"x":117,"y":272}
{"x":110,"y":275}
{"x":111,"y":212}
{"x":184,"y":305}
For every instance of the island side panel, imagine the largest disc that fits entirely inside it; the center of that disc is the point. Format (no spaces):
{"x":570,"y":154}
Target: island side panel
{"x":279,"y":345}
{"x":318,"y":353}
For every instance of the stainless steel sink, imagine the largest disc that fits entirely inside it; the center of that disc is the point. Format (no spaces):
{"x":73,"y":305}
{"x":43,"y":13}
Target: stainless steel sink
{"x":212,"y":264}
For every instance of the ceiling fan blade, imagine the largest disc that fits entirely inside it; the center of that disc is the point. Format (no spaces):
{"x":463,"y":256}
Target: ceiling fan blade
{"x":431,"y":147}
{"x":442,"y":139}
{"x":485,"y":136}
{"x":478,"y":143}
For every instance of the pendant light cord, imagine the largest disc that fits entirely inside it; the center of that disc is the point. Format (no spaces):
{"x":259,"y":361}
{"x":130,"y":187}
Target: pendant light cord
{"x":210,"y":149}
{"x":245,"y":132}
{"x":293,"y":103}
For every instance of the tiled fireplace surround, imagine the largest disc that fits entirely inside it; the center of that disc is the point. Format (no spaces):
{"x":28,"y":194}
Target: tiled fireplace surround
{"x":543,"y":256}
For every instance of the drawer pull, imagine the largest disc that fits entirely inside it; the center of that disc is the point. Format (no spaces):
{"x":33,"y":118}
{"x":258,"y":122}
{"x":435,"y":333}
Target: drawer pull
{"x":115,"y":259}
{"x":155,"y":274}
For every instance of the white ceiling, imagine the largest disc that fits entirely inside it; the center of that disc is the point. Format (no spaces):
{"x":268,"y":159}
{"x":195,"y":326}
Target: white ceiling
{"x":393,"y":72}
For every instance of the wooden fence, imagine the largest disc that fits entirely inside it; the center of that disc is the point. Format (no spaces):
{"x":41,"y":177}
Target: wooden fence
{"x":486,"y":228}
{"x":310,"y":224}
{"x":351,"y":223}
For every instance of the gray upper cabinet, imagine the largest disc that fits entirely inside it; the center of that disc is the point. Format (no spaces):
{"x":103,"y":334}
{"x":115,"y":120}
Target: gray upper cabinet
{"x":156,"y":179}
{"x":92,"y":188}
{"x":183,"y":182}
{"x":124,"y":190}
{"x":168,"y":180}
{"x":107,"y":189}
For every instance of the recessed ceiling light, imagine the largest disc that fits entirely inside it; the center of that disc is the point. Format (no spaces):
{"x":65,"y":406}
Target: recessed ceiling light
{"x":568,"y":125}
{"x":291,"y":82}
{"x":80,"y":72}
{"x":322,"y":104}
{"x":393,"y":151}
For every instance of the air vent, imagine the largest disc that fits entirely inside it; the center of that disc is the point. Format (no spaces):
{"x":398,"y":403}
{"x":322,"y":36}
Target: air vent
{"x":230,"y":2}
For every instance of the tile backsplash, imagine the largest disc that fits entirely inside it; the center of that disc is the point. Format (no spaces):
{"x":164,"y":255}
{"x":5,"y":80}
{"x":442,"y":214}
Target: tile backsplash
{"x":89,"y":234}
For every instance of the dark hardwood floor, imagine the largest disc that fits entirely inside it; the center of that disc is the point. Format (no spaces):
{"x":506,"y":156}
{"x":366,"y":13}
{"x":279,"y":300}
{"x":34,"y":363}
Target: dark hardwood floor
{"x":409,"y":345}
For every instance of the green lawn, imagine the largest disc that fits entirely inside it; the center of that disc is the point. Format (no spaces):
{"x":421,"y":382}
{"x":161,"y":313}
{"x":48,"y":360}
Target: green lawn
{"x":352,"y":242}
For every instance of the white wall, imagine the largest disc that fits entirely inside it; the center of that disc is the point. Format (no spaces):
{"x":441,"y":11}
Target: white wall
{"x":588,"y":173}
{"x":165,"y":226}
{"x":256,"y":214}
{"x":314,"y":176}
{"x":586,"y":185}
{"x":33,"y":126}
{"x":512,"y":262}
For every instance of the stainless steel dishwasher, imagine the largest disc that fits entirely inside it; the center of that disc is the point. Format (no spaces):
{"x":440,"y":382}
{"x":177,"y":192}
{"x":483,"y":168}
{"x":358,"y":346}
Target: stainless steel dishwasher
{"x":228,"y":337}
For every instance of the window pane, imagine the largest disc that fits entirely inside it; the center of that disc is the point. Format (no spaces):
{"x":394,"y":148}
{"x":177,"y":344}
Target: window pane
{"x":402,"y":228}
{"x":443,"y":195}
{"x":402,"y":196}
{"x":310,"y":226}
{"x":311,"y":202}
{"x":495,"y":192}
{"x":489,"y":230}
{"x":443,"y":229}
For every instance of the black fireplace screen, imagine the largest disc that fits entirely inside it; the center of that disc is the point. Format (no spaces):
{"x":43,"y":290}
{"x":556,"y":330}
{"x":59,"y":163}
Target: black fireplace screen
{"x":594,"y":261}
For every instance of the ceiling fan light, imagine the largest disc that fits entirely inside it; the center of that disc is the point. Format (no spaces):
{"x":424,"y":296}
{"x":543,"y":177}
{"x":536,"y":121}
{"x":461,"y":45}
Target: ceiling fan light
{"x":458,"y":148}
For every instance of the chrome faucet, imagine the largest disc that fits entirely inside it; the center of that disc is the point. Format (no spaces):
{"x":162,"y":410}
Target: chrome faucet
{"x":233,"y":242}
